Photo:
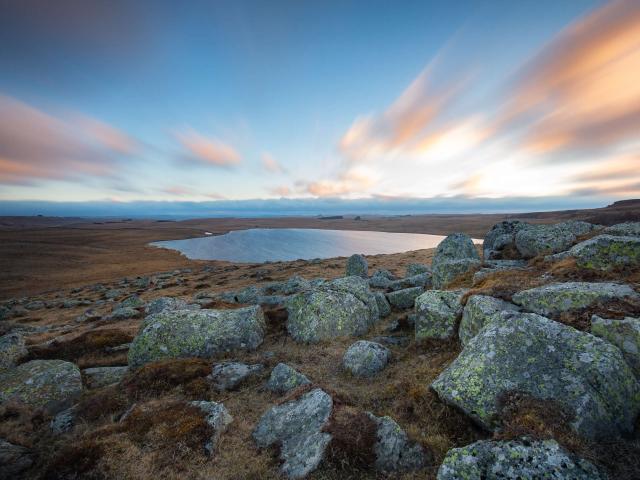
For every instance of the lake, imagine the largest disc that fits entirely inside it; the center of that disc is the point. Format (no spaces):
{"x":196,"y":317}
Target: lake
{"x":281,"y":244}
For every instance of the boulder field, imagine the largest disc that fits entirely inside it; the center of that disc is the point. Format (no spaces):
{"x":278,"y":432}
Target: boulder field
{"x":520,"y":364}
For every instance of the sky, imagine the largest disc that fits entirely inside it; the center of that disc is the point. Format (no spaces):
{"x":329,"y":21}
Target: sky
{"x":411,"y":105}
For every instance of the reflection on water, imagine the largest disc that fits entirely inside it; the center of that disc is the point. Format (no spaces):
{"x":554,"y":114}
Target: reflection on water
{"x":278,"y":244}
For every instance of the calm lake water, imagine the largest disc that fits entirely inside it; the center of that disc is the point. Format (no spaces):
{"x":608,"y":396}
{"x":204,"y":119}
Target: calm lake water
{"x":281,"y":244}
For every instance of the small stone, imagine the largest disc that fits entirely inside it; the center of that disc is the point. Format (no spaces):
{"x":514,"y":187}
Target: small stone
{"x":357,"y":266}
{"x":229,"y":375}
{"x":63,"y":422}
{"x":97,"y":377}
{"x":12,"y":349}
{"x":284,"y":378}
{"x":437,"y":313}
{"x":404,"y":298}
{"x":218,"y":418}
{"x":394,"y":451}
{"x":365,"y":359}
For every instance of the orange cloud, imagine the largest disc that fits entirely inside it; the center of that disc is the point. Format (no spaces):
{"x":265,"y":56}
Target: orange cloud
{"x":182,"y":191}
{"x":282,"y":190}
{"x":37,"y":145}
{"x":353,"y":181}
{"x":271,"y":164}
{"x":208,"y":150}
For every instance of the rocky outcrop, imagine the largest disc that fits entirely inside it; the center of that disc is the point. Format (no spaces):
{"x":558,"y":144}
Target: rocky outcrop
{"x":284,"y":378}
{"x":297,"y":427}
{"x":624,"y":334}
{"x":168,"y":304}
{"x":229,"y":375}
{"x":394,"y":451}
{"x":478,"y":312}
{"x":404,"y":298}
{"x":556,"y":298}
{"x":501,"y":237}
{"x":547,"y":360}
{"x":14,"y":459}
{"x":12,"y":349}
{"x":523,"y":459}
{"x":97,"y":377}
{"x":538,"y":239}
{"x":437,"y":313}
{"x":49,"y":384}
{"x":381,"y":279}
{"x":365,"y":359}
{"x":627,"y":229}
{"x":357,"y":266}
{"x":454,"y":256}
{"x":197,"y":333}
{"x":607,"y":252}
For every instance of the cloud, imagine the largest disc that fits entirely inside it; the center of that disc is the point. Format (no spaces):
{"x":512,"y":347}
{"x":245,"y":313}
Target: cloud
{"x":282,"y":191}
{"x":271,"y":164}
{"x":209,"y":151}
{"x":182,"y":191}
{"x":354,"y":181}
{"x":35,"y":145}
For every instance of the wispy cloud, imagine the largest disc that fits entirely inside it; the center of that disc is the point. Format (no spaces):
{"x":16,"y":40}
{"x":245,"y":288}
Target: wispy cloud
{"x":36,"y":145}
{"x":209,"y":151}
{"x":271,"y":164}
{"x":183,"y":191}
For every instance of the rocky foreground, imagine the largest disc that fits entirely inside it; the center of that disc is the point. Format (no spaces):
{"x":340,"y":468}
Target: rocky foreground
{"x":520,"y":362}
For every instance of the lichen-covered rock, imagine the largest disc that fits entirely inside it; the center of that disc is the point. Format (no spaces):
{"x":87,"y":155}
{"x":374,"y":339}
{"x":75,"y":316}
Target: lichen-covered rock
{"x":340,"y":308}
{"x":12,"y":349}
{"x":383,"y":304}
{"x":229,"y":375}
{"x":357,"y":266}
{"x":515,"y":460}
{"x":419,"y":280}
{"x":284,"y":378}
{"x":538,"y":239}
{"x":478,"y":312}
{"x":51,"y":384}
{"x":394,"y":451}
{"x":492,"y":266}
{"x":197,"y":333}
{"x":552,"y":300}
{"x":437,"y":313}
{"x":297,"y":427}
{"x":416,"y":269}
{"x":547,"y":360}
{"x":501,"y":237}
{"x":132,"y":301}
{"x":404,"y":298}
{"x":97,"y":377}
{"x":217,"y":417}
{"x":624,"y":334}
{"x":454,"y":256}
{"x":627,"y":229}
{"x":167,"y":304}
{"x":381,"y":279}
{"x":606,"y":252}
{"x":14,"y":459}
{"x":365,"y":359}
{"x":123,"y":313}
{"x":63,"y":422}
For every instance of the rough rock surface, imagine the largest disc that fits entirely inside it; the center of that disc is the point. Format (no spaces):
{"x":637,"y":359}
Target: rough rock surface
{"x":381,"y":279}
{"x":340,"y":308}
{"x":166,"y":304}
{"x":12,"y":350}
{"x":419,"y":280}
{"x":454,"y":256}
{"x":217,"y":417}
{"x":197,"y":333}
{"x":52,"y":384}
{"x":365,"y":359}
{"x":553,"y":299}
{"x":102,"y":376}
{"x":383,"y":304}
{"x":229,"y":375}
{"x":523,"y":459}
{"x":531,"y":354}
{"x":537,"y":239}
{"x":630,"y":229}
{"x":63,"y":422}
{"x":404,"y":298}
{"x":297,"y":427}
{"x":394,"y":451}
{"x":606,"y":252}
{"x":357,"y":266}
{"x":478,"y":312}
{"x":14,"y":459}
{"x":501,"y":236}
{"x":624,"y":334}
{"x":284,"y":378}
{"x":493,"y":266}
{"x":436,"y":314}
{"x":416,"y":269}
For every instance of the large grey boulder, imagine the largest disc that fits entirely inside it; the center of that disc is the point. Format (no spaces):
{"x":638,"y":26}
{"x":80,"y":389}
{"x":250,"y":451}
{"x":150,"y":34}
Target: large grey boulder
{"x":437,"y":313}
{"x":365,"y":359}
{"x":627,"y":229}
{"x":501,"y":237}
{"x":197,"y":333}
{"x":297,"y":426}
{"x":419,"y":280}
{"x":97,"y":377}
{"x":538,"y":239}
{"x":404,"y":298}
{"x":12,"y":349}
{"x":50,"y":384}
{"x":624,"y":334}
{"x":394,"y":451}
{"x":556,"y":298}
{"x":606,"y":252}
{"x":357,"y":266}
{"x":218,"y":417}
{"x":515,"y":460}
{"x":14,"y":459}
{"x":229,"y":375}
{"x":383,"y":304}
{"x":454,"y":256}
{"x":547,"y":360}
{"x":284,"y":378}
{"x":478,"y":312}
{"x":340,"y":308}
{"x":166,"y":304}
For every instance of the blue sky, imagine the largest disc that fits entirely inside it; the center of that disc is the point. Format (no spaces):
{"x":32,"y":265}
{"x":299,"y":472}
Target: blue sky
{"x":199,"y":101}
